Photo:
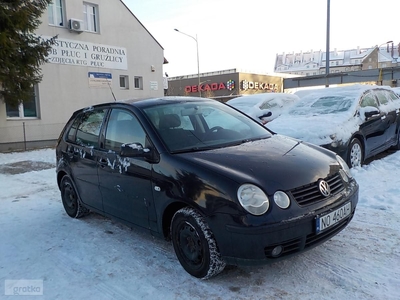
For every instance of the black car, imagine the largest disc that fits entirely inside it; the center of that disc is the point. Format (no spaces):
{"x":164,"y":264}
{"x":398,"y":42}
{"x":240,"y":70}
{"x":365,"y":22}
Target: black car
{"x":221,"y":186}
{"x":357,"y":121}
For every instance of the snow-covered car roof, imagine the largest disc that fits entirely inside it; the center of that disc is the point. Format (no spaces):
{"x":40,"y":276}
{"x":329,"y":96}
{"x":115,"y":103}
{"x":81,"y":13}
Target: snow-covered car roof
{"x":259,"y":104}
{"x":396,"y":90}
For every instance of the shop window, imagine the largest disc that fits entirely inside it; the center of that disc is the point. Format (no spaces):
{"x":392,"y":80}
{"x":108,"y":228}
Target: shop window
{"x":55,"y":12}
{"x":138,"y":82}
{"x":28,"y":109}
{"x":90,"y":17}
{"x":124,"y":82}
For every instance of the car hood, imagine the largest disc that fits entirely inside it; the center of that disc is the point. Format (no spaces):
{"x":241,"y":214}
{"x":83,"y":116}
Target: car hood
{"x":276,"y":163}
{"x":316,"y":129}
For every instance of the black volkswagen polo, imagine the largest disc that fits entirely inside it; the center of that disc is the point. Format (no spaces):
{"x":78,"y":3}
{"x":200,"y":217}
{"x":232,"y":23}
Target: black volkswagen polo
{"x":222,"y":187}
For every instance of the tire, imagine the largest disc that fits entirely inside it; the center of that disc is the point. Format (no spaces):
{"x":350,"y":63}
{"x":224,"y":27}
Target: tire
{"x":355,"y":155}
{"x":70,"y":199}
{"x":194,"y":244}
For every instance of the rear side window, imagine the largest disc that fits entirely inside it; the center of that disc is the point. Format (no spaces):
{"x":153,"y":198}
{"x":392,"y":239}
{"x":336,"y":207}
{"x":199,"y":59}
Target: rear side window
{"x":85,"y":130}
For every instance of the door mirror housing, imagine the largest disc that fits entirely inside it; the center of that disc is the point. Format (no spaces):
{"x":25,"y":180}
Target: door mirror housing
{"x":134,"y":150}
{"x":369,"y":111}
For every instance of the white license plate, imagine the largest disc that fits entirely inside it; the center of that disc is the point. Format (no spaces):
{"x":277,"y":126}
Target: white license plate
{"x":334,"y":217}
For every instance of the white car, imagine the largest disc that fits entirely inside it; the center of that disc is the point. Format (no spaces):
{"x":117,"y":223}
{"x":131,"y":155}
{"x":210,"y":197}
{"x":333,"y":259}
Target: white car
{"x":357,"y":121}
{"x":396,"y":90}
{"x":264,"y":107}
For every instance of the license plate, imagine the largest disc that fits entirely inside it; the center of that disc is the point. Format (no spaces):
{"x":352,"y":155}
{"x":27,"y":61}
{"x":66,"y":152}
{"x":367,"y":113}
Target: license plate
{"x":332,"y":218}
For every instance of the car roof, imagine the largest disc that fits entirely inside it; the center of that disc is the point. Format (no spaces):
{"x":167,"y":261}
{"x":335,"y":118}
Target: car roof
{"x":255,"y":99}
{"x":149,"y":102}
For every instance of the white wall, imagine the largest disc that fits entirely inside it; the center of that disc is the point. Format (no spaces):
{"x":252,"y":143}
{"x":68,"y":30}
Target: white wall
{"x":66,"y":88}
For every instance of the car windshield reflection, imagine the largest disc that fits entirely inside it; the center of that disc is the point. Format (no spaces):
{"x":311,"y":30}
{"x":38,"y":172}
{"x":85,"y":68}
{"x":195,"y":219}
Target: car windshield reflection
{"x":201,"y":125}
{"x":323,"y":105}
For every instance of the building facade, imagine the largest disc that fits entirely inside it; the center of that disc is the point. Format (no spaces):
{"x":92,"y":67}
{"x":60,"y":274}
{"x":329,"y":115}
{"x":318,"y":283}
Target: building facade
{"x":102,"y":53}
{"x":314,"y":62}
{"x":223,"y":85}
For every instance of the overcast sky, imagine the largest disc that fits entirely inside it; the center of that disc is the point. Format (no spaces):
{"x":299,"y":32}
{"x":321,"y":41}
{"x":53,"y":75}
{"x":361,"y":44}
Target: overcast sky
{"x":248,"y":34}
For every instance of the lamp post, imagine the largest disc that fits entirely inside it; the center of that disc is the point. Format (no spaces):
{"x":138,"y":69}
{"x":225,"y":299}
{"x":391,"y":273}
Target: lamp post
{"x":328,"y":21}
{"x":377,"y":62}
{"x":197,"y":48}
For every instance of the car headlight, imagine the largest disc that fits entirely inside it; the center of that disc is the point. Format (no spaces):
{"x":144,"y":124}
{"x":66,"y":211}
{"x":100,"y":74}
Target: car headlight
{"x":281,"y":199}
{"x":344,"y":166}
{"x":253,"y":199}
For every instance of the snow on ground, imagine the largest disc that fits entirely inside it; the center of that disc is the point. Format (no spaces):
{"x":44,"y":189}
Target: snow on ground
{"x":96,"y":258}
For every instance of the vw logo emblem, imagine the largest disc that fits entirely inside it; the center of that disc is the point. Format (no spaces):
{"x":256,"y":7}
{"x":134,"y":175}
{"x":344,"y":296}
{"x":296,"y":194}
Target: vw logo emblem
{"x":324,"y":188}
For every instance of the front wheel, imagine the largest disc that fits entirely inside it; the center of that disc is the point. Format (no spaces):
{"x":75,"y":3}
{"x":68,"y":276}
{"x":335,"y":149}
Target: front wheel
{"x":194,"y":244}
{"x":355,"y":156}
{"x":70,"y":199}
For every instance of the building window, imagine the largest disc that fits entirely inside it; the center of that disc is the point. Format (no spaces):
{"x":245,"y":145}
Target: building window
{"x":55,"y":12}
{"x":28,"y":109}
{"x":124,"y":82}
{"x":138,"y":81}
{"x":90,"y":17}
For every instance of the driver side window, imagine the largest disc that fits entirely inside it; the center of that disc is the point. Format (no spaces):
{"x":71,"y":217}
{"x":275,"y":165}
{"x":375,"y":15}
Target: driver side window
{"x":123,"y":128}
{"x":369,"y":100}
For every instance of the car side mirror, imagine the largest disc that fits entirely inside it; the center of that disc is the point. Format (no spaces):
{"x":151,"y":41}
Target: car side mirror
{"x":268,"y":114}
{"x":369,"y":111}
{"x":134,"y":150}
{"x":369,"y":114}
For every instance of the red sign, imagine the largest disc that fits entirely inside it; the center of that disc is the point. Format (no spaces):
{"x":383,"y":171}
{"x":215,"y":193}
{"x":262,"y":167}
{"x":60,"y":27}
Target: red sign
{"x":205,"y":87}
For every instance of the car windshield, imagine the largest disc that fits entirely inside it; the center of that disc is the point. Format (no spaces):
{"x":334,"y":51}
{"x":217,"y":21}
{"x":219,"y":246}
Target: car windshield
{"x":327,"y":104}
{"x":199,"y":125}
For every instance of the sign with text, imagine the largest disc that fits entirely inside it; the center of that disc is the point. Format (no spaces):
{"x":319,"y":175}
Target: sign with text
{"x":80,"y":53}
{"x":99,"y":80}
{"x":215,"y":86}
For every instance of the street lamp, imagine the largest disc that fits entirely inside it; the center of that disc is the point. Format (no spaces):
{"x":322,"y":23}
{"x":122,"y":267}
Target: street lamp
{"x":377,"y":62}
{"x":197,"y":47}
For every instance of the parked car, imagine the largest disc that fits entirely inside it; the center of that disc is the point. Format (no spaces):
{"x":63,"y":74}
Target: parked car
{"x":396,"y":90}
{"x":357,"y":122}
{"x":221,"y":186}
{"x":263,"y":107}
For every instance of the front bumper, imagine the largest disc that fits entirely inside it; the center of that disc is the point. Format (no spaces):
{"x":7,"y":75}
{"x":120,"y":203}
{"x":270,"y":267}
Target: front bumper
{"x":243,"y":245}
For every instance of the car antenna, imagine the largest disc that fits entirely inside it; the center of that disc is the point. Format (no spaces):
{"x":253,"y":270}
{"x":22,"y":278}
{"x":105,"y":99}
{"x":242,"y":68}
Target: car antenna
{"x":109,"y":85}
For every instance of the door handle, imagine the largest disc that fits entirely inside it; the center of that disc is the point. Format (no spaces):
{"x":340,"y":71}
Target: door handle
{"x":103,"y":162}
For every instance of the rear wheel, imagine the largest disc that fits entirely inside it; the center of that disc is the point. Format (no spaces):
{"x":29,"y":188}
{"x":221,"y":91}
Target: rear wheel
{"x":355,"y":156}
{"x":195,"y":245}
{"x":70,"y":199}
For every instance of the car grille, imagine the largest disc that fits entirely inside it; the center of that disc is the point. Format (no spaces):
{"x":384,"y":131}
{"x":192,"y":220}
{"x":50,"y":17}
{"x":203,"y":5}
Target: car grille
{"x":309,"y":194}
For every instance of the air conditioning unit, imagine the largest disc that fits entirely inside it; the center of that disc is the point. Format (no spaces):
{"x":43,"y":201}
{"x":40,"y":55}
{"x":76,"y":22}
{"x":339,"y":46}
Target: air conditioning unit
{"x":76,"y":25}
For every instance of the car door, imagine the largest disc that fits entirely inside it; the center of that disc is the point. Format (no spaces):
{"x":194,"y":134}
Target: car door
{"x":374,"y":127}
{"x":125,"y":183}
{"x":392,"y":114}
{"x":82,"y":153}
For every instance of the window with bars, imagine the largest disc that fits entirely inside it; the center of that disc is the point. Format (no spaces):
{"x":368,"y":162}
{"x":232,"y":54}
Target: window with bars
{"x":138,"y":83}
{"x":124,"y":82}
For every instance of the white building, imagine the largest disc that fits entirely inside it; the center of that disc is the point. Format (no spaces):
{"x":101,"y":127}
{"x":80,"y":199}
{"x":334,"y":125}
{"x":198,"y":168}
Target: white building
{"x":314,"y":62}
{"x":102,"y":53}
